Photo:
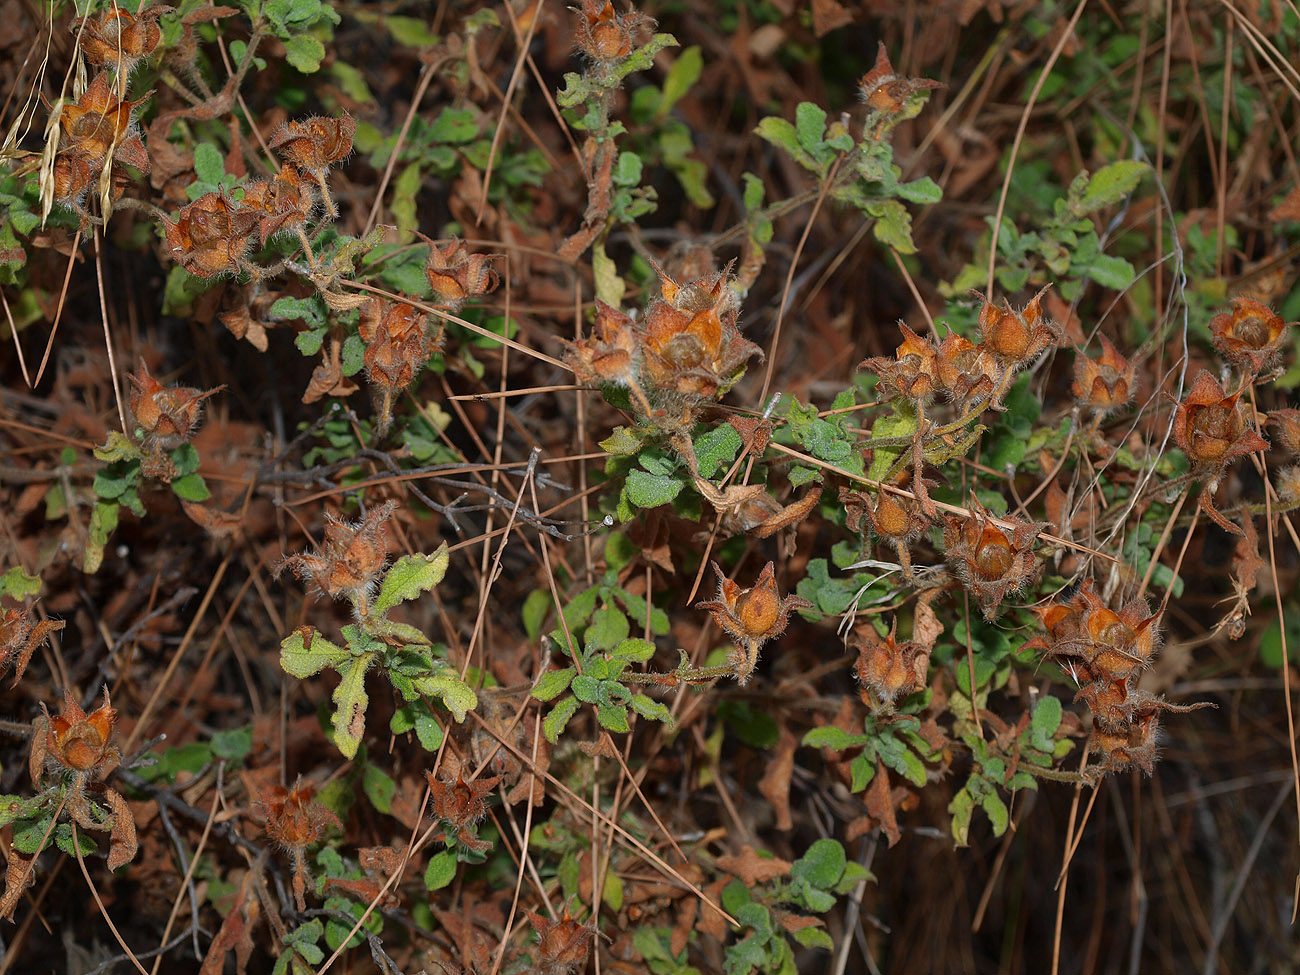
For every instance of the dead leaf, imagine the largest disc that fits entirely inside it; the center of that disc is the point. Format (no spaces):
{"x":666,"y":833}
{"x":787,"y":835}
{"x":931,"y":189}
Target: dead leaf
{"x":752,"y":868}
{"x":18,"y":877}
{"x":926,"y":628}
{"x":827,"y":15}
{"x":880,"y":804}
{"x":122,"y":843}
{"x":1289,"y":208}
{"x":775,"y":783}
{"x":235,"y":934}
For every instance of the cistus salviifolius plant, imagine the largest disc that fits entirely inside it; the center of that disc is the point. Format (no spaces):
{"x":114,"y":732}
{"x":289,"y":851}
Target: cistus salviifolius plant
{"x":646,"y":487}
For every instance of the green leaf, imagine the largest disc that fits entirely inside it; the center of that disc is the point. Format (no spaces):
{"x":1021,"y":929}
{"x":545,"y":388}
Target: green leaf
{"x":612,"y":890}
{"x":416,"y":716}
{"x":441,"y":870}
{"x":411,"y":31}
{"x":893,"y":225}
{"x":755,"y":726}
{"x":304,"y":940}
{"x":445,"y":683}
{"x":554,"y":723}
{"x":634,"y":649}
{"x":17,"y":584}
{"x":208,"y":164}
{"x":455,"y":126}
{"x":1110,"y":184}
{"x":402,"y":205}
{"x":996,"y":810}
{"x":27,"y":835}
{"x":623,"y":442}
{"x":63,"y":838}
{"x":536,"y":607}
{"x":685,"y":71}
{"x":822,"y":865}
{"x":648,"y":707}
{"x":309,"y":342}
{"x":627,"y":171}
{"x":961,"y":807}
{"x":103,"y":520}
{"x":1046,"y":719}
{"x":379,"y":788}
{"x":410,"y":576}
{"x":586,"y":688}
{"x":350,"y":702}
{"x":810,"y":126}
{"x":116,"y":448}
{"x":353,"y":356}
{"x":1112,"y":272}
{"x":781,"y":133}
{"x":305,"y":652}
{"x":814,"y":938}
{"x":552,"y":684}
{"x":833,"y":738}
{"x":191,"y":487}
{"x":233,"y":745}
{"x":311,"y":311}
{"x":1270,"y":642}
{"x":651,"y":490}
{"x":608,"y":626}
{"x":923,"y":190}
{"x":613,"y":717}
{"x":304,"y":52}
{"x":717,"y":449}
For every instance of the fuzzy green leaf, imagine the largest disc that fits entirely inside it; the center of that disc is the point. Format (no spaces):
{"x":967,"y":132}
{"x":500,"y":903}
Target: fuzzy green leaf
{"x":833,"y":738}
{"x":410,"y":576}
{"x":1110,"y":184}
{"x":651,"y":490}
{"x":996,"y":810}
{"x":613,"y":717}
{"x":553,"y":683}
{"x":208,"y":164}
{"x":822,"y":865}
{"x":350,"y":702}
{"x":379,"y":788}
{"x":648,"y":707}
{"x":1110,"y":272}
{"x":441,"y":870}
{"x":17,"y":584}
{"x":554,"y":723}
{"x":103,"y":520}
{"x":684,"y":73}
{"x":304,"y":52}
{"x":191,"y":487}
{"x":305,"y":652}
{"x":116,"y":447}
{"x":445,"y":683}
{"x":608,"y":626}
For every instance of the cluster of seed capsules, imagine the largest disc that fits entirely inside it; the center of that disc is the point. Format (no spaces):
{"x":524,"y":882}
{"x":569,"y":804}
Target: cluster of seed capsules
{"x":1105,"y":652}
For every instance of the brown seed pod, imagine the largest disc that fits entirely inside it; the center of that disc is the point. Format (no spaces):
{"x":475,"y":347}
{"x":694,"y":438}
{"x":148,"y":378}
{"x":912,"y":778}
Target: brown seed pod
{"x":1105,"y":383}
{"x":1014,"y":338}
{"x":991,"y":561}
{"x":605,"y":35}
{"x":913,"y":372}
{"x":81,"y":741}
{"x":1250,"y":336}
{"x":890,"y":669}
{"x":166,"y":416}
{"x":690,"y":341}
{"x":350,"y":559}
{"x":210,"y":237}
{"x":119,"y":40}
{"x":456,"y":274}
